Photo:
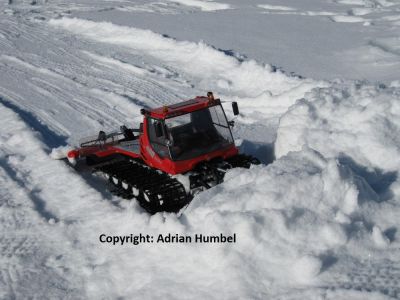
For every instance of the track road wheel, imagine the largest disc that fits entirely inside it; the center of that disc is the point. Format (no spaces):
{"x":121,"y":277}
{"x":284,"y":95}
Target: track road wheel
{"x":147,"y":201}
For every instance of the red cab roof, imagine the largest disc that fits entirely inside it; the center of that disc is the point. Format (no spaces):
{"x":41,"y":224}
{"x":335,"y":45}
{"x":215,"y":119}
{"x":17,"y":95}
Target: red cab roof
{"x":180,"y":108}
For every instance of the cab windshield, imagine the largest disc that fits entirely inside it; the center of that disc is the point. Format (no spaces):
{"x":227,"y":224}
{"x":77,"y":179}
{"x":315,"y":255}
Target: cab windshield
{"x":195,"y":134}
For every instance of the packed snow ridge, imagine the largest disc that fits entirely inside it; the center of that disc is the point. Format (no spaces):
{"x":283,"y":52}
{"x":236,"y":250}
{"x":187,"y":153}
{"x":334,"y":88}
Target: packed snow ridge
{"x":212,"y":69}
{"x":205,"y":5}
{"x":357,"y":121}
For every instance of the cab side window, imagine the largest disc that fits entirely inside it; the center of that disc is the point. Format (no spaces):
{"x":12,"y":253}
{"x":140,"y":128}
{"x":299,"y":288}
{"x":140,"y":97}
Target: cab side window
{"x":157,"y":143}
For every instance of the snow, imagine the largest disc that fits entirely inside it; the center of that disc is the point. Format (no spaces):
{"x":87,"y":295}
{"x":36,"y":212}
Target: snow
{"x":348,"y":19}
{"x":379,"y":238}
{"x":350,"y":122}
{"x":205,"y":5}
{"x":196,"y":59}
{"x":60,"y":152}
{"x":317,"y":220}
{"x":305,"y":40}
{"x":306,"y":268}
{"x":275,"y":7}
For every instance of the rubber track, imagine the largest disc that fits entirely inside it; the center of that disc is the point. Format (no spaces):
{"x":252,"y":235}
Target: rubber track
{"x":163,"y":192}
{"x":242,"y":161}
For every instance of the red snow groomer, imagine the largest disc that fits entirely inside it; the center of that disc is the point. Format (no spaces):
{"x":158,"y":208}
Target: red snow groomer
{"x":178,"y":150}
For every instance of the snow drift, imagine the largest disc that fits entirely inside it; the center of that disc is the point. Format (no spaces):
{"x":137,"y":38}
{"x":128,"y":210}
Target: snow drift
{"x":257,"y":85}
{"x":205,"y":5}
{"x":353,"y":121}
{"x":294,"y":220}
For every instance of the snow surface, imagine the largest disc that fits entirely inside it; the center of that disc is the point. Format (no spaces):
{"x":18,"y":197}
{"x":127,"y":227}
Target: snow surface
{"x":318,"y":220}
{"x":205,"y":5}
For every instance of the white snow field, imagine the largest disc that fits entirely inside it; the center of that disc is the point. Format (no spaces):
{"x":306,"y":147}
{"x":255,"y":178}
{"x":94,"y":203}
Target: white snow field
{"x":319,"y":219}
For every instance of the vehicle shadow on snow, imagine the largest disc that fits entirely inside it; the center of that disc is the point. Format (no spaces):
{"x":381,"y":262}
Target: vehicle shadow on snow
{"x":390,"y":233}
{"x":102,"y":186}
{"x":328,"y":260}
{"x":33,"y":194}
{"x":49,"y":138}
{"x":377,"y":179}
{"x":264,"y":152}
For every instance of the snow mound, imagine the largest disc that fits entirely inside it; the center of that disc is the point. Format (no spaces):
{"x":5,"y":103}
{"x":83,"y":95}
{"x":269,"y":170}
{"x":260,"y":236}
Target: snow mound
{"x":204,"y":5}
{"x":347,"y":19}
{"x":295,"y":216}
{"x":60,"y":152}
{"x":306,"y":268}
{"x":276,"y":7}
{"x":247,"y":81}
{"x":293,"y":220}
{"x":379,"y":238}
{"x":356,"y":122}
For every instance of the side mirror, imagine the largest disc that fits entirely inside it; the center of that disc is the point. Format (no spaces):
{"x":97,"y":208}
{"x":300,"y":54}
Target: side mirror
{"x":235,"y":108}
{"x":102,"y":136}
{"x":158,"y":129}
